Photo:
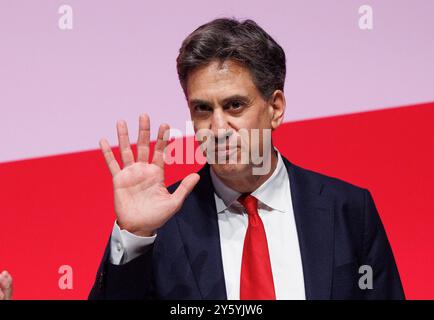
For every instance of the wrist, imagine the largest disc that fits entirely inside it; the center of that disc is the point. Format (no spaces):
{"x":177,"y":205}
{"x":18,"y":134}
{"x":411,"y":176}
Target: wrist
{"x":136,"y":231}
{"x":141,"y":233}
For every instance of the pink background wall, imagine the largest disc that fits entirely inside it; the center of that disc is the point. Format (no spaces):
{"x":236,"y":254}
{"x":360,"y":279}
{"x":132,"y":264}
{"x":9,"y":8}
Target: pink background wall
{"x":63,"y":90}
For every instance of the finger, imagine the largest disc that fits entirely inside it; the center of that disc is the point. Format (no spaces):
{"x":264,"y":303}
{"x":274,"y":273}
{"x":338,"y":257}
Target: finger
{"x":162,"y":140}
{"x":4,"y":273}
{"x":184,"y":188}
{"x":143,"y":138}
{"x":5,"y":283}
{"x":9,"y":279}
{"x":6,"y":286}
{"x":9,"y":286}
{"x":109,"y":157}
{"x":124,"y":144}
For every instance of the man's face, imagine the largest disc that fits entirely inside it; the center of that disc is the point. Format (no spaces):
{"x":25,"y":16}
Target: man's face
{"x":223,"y":99}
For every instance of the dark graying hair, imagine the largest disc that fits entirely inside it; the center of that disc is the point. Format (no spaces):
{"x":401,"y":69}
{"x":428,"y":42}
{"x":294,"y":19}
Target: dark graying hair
{"x":243,"y":41}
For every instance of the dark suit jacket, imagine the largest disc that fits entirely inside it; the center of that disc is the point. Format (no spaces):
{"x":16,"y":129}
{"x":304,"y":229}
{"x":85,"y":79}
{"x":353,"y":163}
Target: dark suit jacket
{"x":338,"y":228}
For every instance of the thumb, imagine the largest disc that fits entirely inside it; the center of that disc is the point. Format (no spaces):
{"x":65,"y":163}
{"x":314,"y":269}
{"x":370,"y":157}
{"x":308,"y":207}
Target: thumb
{"x":184,"y":188}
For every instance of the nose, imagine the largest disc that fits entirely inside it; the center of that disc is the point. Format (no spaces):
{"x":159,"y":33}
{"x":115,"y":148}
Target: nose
{"x":220,"y":127}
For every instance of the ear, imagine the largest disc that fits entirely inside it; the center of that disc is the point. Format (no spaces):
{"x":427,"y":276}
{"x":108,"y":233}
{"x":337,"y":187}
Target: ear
{"x":277,"y":104}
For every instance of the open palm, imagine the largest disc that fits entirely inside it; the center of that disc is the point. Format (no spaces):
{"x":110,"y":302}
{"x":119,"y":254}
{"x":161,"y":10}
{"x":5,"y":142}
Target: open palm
{"x":141,"y":199}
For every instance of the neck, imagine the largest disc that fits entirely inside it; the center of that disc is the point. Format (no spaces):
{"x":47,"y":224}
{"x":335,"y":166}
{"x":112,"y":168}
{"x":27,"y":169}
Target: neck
{"x":250,"y":182}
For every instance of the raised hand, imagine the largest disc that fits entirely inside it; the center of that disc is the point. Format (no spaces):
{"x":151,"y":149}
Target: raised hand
{"x":6,"y":286}
{"x":141,"y":199}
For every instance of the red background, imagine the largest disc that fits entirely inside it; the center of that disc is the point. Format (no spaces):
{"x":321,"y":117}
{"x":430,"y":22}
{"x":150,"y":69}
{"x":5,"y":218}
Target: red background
{"x":59,"y":210}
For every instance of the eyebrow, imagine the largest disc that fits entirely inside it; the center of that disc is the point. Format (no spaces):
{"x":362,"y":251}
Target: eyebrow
{"x":236,"y":97}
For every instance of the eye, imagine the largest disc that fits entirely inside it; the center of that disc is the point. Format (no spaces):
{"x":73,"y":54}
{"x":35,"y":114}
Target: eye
{"x":235,"y":105}
{"x":201,"y":108}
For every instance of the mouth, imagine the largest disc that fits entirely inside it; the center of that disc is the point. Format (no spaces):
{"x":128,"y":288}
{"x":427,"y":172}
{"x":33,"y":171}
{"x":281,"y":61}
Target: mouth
{"x":225,"y":151}
{"x":224,"y":148}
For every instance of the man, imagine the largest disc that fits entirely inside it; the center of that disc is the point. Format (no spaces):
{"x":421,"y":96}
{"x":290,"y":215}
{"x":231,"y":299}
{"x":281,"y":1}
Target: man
{"x":225,"y":232}
{"x":6,"y":286}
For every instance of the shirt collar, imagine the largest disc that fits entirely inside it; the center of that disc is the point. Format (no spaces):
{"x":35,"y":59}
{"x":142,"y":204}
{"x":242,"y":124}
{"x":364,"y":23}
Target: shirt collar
{"x":273,"y":192}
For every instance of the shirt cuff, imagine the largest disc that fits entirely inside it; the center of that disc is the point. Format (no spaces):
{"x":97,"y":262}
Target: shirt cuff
{"x":125,"y":246}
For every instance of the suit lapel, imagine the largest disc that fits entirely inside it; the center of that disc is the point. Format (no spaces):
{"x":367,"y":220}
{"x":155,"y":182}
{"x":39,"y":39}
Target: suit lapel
{"x":313,"y":213}
{"x":199,"y":229}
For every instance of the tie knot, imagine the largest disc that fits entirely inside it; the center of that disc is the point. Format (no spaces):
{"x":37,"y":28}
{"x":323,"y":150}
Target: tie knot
{"x":250,"y":203}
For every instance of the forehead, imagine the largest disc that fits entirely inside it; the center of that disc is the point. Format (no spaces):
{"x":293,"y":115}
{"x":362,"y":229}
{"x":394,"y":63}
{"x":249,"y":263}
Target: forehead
{"x":220,"y":79}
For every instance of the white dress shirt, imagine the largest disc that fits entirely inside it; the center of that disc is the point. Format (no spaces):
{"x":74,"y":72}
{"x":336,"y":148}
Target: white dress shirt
{"x":276,"y":211}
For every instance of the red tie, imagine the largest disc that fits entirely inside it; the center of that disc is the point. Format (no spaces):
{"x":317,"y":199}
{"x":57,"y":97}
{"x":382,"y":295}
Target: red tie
{"x":256,"y":275}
